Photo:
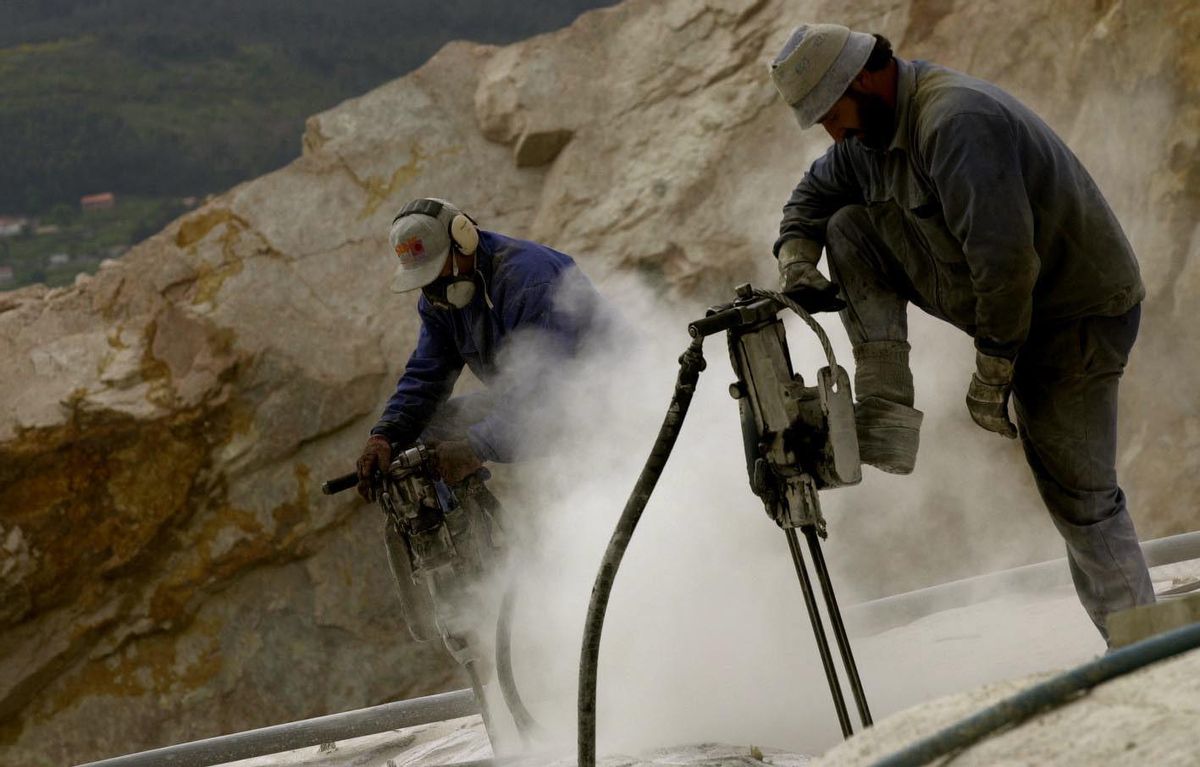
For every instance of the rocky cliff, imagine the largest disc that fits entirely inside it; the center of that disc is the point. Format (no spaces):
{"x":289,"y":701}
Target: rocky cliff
{"x":169,"y":570}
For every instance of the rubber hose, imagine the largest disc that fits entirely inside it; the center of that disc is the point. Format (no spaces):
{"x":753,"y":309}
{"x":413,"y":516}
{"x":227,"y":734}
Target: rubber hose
{"x":1049,"y":694}
{"x":526,"y":724}
{"x":691,"y":363}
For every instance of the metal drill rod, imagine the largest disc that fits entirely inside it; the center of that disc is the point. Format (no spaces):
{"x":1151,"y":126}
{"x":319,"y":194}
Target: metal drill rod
{"x":480,"y":695}
{"x":814,"y":615}
{"x":839,"y":628}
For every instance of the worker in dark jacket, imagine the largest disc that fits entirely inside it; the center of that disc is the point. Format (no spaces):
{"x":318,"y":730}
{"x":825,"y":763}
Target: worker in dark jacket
{"x":944,"y":191}
{"x":480,"y":290}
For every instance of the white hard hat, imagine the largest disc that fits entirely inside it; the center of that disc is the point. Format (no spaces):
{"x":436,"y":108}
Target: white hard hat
{"x":421,"y":236}
{"x":816,"y":66}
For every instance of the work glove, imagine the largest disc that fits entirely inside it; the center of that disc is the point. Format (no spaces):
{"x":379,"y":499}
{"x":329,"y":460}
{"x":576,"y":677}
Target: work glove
{"x":456,"y":461}
{"x":800,"y":281}
{"x":987,"y":398}
{"x":376,"y":457}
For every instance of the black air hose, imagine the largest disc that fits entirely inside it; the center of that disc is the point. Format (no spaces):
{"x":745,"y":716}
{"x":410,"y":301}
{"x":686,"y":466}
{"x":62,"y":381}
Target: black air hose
{"x":1049,"y":694}
{"x":691,"y":363}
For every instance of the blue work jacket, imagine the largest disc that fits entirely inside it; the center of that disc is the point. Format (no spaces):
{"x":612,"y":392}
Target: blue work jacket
{"x":526,"y":287}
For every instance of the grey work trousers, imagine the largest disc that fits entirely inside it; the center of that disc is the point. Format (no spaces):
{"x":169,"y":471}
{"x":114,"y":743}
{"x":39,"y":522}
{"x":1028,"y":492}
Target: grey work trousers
{"x":1064,"y":387}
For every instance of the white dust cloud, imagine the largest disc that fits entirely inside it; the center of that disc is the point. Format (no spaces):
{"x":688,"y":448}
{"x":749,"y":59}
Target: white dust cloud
{"x":706,"y":637}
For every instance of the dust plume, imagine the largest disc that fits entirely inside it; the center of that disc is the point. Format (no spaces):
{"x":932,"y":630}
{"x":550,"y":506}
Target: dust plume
{"x":706,"y":637}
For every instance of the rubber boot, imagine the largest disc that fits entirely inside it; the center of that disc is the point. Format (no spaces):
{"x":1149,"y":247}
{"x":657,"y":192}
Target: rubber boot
{"x":888,"y":434}
{"x":888,"y":427}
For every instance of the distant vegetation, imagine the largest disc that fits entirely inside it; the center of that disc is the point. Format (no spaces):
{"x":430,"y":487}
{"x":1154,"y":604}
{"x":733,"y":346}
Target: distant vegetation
{"x":162,"y":99}
{"x":167,"y":97}
{"x":69,"y":241}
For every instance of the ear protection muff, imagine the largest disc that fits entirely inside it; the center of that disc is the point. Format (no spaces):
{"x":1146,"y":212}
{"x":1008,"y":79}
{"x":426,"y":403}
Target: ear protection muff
{"x":462,"y":228}
{"x":455,"y":291}
{"x":464,"y":232}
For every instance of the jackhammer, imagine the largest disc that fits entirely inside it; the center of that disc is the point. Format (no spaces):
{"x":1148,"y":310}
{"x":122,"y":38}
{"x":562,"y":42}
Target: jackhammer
{"x":797,"y":440}
{"x":442,"y":547}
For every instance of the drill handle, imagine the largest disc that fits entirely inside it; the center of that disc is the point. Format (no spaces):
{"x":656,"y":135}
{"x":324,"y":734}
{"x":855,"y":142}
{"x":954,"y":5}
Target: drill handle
{"x":338,"y":484}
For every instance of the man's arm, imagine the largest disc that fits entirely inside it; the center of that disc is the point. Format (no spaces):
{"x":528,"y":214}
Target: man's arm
{"x":975,"y":165}
{"x":828,"y":185}
{"x":427,"y":381}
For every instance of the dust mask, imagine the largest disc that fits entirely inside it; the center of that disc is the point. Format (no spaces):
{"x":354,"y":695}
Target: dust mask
{"x":453,"y":292}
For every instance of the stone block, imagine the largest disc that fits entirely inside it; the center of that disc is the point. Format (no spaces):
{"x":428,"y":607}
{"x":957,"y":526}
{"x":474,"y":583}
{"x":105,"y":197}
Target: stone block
{"x":539,"y":147}
{"x":1138,"y":623}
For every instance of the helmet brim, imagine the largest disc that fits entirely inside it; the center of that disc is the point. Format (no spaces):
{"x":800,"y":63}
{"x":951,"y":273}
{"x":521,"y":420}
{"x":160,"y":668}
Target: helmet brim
{"x":406,"y":279}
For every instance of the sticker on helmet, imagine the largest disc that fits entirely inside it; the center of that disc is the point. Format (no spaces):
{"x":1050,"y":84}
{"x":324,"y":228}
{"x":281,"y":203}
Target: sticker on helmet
{"x":410,"y":252}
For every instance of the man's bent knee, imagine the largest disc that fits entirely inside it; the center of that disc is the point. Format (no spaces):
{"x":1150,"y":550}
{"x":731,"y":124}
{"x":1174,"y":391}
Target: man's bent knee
{"x":847,"y":225}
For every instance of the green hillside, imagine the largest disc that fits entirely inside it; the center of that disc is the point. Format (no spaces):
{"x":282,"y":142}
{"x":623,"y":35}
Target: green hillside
{"x":163,"y":97}
{"x":157,"y":100}
{"x":80,"y":116}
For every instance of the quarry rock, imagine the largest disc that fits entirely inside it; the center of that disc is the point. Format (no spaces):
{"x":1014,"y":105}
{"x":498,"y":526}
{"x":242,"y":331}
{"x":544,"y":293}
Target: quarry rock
{"x":1137,"y":623}
{"x":170,"y":570}
{"x":1147,"y":717}
{"x":540,"y":147}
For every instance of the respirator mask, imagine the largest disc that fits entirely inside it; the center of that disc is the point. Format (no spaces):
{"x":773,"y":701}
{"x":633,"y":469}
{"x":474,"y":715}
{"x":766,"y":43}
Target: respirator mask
{"x":453,"y":292}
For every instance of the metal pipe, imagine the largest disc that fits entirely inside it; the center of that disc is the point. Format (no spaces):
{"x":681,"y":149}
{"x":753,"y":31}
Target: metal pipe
{"x":814,"y":616}
{"x":839,"y":628}
{"x":1172,"y":549}
{"x":307,"y":732}
{"x":481,"y":695}
{"x":878,"y":615}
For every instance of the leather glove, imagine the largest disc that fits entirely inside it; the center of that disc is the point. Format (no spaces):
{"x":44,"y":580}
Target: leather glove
{"x":987,"y":398}
{"x":800,"y":281}
{"x":456,"y":461}
{"x":376,"y":457}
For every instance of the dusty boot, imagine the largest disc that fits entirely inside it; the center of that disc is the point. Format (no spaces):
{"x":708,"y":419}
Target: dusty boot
{"x":888,"y":426}
{"x":881,"y":370}
{"x":888,"y":434}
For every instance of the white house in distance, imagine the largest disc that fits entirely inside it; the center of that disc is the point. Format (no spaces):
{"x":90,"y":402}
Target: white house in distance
{"x":11,"y":226}
{"x":101,"y":201}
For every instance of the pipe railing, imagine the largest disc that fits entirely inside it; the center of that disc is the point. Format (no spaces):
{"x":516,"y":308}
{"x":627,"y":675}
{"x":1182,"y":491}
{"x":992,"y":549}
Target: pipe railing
{"x":307,"y":732}
{"x":878,"y":615}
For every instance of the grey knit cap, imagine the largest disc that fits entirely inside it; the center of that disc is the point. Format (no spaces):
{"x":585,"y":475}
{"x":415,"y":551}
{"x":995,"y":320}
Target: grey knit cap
{"x":816,"y":66}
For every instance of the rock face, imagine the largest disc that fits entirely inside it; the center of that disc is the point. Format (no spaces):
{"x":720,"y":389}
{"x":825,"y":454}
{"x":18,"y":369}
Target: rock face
{"x":168,"y":569}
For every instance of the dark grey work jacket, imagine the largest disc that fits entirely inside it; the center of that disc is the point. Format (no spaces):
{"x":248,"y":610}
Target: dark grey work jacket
{"x":1040,"y":242}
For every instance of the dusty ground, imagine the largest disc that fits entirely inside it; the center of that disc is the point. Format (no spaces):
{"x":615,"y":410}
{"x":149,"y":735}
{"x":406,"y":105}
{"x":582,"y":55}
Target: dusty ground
{"x":932,"y":670}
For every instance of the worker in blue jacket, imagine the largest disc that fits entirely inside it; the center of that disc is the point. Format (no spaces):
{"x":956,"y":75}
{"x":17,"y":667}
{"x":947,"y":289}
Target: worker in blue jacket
{"x":943,"y":191}
{"x":479,"y":291}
